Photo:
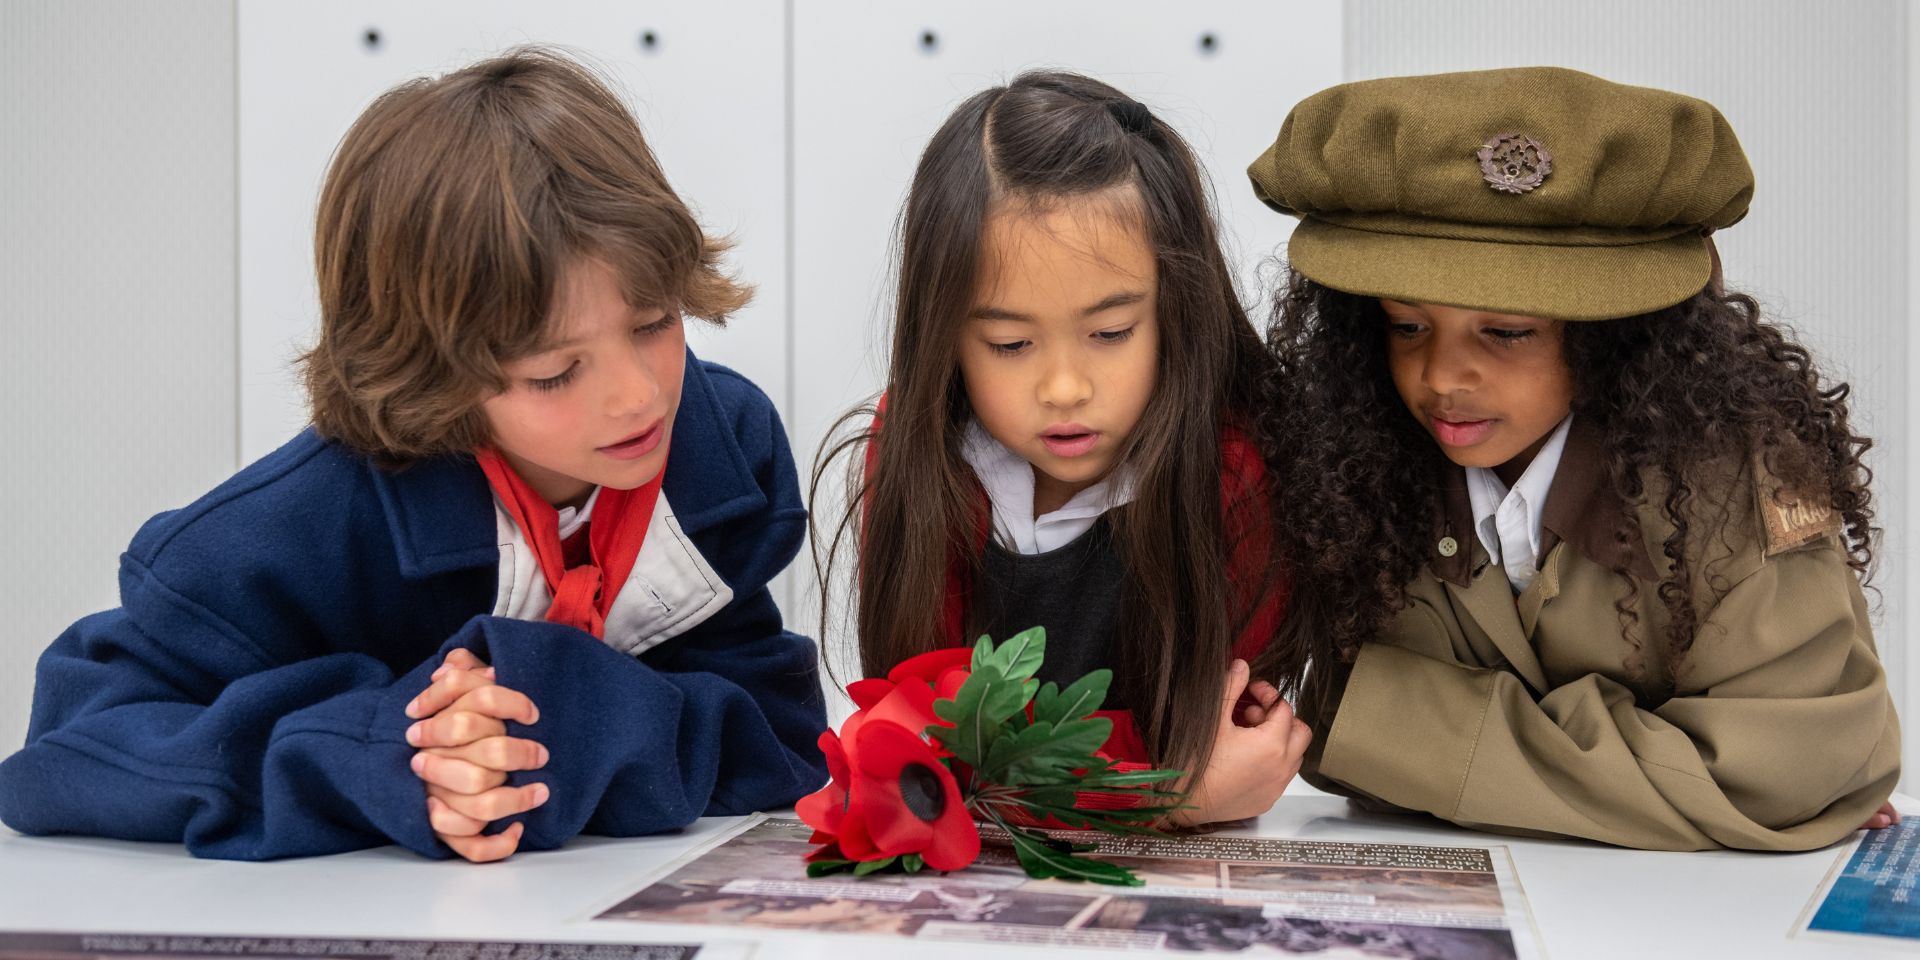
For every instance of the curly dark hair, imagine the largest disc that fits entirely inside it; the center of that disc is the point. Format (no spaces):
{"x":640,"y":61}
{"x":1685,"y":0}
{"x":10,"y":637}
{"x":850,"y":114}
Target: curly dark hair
{"x":1676,"y":395}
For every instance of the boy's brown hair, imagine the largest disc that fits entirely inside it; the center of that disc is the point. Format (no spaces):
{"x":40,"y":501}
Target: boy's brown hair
{"x":449,"y":212}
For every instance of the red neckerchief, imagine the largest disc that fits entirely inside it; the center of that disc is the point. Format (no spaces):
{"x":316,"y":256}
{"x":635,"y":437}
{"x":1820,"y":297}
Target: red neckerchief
{"x":614,"y":535}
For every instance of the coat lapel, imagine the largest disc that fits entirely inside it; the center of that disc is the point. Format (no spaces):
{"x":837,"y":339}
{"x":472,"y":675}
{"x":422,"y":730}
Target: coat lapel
{"x":1583,"y":511}
{"x":1489,"y":601}
{"x":1479,"y":589}
{"x":709,"y":480}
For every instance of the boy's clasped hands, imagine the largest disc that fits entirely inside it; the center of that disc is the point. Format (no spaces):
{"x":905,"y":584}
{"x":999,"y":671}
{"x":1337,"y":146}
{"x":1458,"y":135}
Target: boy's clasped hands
{"x":464,"y":755}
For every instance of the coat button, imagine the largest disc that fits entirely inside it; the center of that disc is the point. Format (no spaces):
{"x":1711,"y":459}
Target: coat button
{"x":1449,"y":546}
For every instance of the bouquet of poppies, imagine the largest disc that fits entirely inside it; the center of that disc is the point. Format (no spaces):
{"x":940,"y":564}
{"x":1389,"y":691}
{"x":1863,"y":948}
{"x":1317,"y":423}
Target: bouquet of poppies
{"x":957,"y":736}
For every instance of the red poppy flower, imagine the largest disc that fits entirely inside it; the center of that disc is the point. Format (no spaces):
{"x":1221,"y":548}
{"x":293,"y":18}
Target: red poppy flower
{"x":827,"y":809}
{"x":907,"y":799}
{"x":830,"y":810}
{"x":942,"y":670}
{"x":932,"y":666}
{"x":909,"y":704}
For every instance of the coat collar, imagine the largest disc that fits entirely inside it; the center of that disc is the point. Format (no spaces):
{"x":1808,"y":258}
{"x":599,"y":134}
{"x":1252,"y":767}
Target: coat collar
{"x":1582,"y":509}
{"x":440,"y":511}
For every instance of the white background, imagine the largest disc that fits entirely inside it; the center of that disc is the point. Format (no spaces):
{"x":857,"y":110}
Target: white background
{"x":159,"y":162}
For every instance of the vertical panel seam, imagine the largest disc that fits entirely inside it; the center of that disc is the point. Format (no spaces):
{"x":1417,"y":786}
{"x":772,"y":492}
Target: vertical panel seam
{"x":792,"y":388}
{"x":239,"y":361}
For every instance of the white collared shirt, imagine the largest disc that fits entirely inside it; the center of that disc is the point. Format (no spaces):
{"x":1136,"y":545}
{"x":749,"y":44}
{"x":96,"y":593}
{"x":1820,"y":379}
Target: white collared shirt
{"x":1008,"y":479}
{"x":1508,"y":521}
{"x":571,"y":519}
{"x":670,"y":590}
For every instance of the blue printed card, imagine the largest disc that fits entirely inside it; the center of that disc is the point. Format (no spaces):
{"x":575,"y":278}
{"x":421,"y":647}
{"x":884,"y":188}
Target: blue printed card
{"x":1875,"y":893}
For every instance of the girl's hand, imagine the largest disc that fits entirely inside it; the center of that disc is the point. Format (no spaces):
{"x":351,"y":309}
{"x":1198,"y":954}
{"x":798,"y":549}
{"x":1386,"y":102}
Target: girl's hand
{"x":1885,"y":817}
{"x":1251,"y":765}
{"x":1256,"y":703}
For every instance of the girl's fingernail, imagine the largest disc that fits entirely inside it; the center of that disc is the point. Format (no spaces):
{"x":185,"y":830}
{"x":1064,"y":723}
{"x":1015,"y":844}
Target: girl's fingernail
{"x":536,"y":714}
{"x":436,"y":674}
{"x":543,"y":755}
{"x":540,"y":794}
{"x":413,"y":707}
{"x":419,"y":762}
{"x":413,"y":734}
{"x":490,"y":674}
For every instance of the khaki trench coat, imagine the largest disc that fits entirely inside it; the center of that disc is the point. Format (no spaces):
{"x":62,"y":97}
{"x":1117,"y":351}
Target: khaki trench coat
{"x":1532,"y":715}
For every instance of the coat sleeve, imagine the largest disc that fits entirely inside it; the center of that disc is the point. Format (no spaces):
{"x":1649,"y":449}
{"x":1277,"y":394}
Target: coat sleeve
{"x":1783,"y":737}
{"x":724,"y":723}
{"x":721,"y":720}
{"x":160,"y":720}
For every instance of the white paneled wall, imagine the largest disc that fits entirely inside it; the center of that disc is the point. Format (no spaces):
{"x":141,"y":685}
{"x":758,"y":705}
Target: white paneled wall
{"x":116,"y":298}
{"x":1817,"y":94}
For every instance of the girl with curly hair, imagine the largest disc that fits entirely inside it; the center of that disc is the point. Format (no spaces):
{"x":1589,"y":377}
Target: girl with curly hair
{"x":1577,"y":537}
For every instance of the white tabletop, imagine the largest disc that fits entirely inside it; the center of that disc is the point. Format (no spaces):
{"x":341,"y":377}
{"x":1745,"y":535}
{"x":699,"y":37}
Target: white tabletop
{"x":1587,"y":900}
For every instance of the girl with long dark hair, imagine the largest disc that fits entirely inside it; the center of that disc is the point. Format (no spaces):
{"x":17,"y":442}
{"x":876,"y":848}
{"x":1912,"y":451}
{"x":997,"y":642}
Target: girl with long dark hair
{"x":1061,"y":440}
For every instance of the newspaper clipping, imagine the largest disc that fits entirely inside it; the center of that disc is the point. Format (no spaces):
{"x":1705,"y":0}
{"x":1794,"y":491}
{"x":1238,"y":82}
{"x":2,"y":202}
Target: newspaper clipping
{"x":1203,"y":893}
{"x":51,"y":945}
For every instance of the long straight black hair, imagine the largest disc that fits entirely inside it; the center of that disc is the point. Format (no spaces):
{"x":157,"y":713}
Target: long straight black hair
{"x":915,"y":506}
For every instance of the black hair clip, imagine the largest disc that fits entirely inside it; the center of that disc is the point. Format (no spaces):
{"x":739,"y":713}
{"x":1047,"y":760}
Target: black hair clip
{"x":1133,"y":116}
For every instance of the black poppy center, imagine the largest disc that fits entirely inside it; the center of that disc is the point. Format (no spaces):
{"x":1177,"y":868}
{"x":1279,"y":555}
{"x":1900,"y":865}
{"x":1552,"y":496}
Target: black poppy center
{"x":920,"y":790}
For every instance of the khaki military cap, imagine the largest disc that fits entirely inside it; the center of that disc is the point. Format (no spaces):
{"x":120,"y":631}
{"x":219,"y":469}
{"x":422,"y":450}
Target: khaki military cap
{"x":1537,"y":191}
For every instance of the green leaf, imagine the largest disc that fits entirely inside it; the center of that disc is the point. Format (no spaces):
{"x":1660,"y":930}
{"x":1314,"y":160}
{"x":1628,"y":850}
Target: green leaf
{"x":1051,"y":794}
{"x":982,"y":650}
{"x":821,"y":868}
{"x":1021,"y":654}
{"x":1070,"y":749}
{"x":1042,"y":860}
{"x":1133,"y":821}
{"x":1131,"y":778}
{"x":1014,"y":747}
{"x":1081,"y":697}
{"x":977,"y":711}
{"x":1045,"y":751}
{"x":873,"y":866}
{"x":913,"y":863}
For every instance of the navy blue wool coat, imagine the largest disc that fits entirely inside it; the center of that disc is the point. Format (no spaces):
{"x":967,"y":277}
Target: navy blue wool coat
{"x":248,"y":696}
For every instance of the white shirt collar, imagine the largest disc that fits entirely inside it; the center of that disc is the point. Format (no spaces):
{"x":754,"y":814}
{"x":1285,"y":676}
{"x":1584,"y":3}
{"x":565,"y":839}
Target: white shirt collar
{"x":1508,"y":521}
{"x":1008,"y":479}
{"x":572,"y":519}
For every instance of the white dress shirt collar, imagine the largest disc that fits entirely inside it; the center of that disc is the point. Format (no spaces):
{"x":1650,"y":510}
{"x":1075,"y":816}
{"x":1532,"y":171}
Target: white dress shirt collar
{"x":572,"y":519}
{"x":1008,"y":479}
{"x":1508,"y":521}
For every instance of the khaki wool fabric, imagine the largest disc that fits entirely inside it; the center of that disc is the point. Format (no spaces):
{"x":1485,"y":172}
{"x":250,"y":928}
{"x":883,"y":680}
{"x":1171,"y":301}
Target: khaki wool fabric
{"x":1541,"y":715}
{"x":1394,"y":201}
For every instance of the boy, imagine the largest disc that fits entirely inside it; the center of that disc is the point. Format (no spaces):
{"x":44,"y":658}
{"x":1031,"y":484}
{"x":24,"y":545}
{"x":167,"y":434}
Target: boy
{"x":479,"y":533}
